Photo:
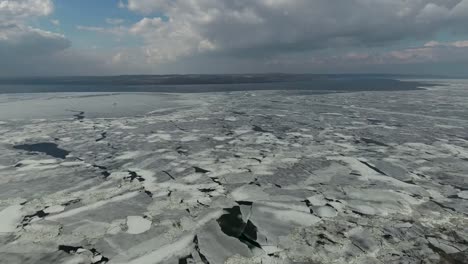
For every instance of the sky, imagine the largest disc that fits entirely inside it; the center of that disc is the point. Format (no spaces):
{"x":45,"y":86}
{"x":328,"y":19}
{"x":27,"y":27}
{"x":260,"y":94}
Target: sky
{"x":112,"y":37}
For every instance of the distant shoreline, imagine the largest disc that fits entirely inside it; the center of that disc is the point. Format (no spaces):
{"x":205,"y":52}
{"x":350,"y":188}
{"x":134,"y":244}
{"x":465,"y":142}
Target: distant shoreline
{"x":211,"y":83}
{"x":192,"y":79}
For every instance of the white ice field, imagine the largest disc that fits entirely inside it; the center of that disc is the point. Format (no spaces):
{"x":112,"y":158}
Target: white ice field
{"x":239,"y":177}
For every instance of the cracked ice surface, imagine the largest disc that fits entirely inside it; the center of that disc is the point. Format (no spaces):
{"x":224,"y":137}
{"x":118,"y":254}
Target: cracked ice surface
{"x":240,"y":177}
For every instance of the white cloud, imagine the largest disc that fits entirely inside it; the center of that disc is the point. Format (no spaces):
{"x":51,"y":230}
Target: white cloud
{"x":455,"y":44}
{"x":20,"y":42}
{"x":274,"y":27}
{"x":24,"y":41}
{"x":56,"y":22}
{"x":115,"y":21}
{"x":168,"y":40}
{"x":117,"y":31}
{"x":14,"y":9}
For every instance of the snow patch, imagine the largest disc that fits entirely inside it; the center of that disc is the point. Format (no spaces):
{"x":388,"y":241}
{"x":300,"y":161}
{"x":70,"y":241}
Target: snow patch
{"x":9,"y":218}
{"x":138,"y":225}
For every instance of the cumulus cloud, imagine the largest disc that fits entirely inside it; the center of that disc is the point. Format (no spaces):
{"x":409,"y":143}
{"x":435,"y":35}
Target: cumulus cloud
{"x":21,"y":9}
{"x":275,"y":27}
{"x":20,"y":42}
{"x":168,"y":40}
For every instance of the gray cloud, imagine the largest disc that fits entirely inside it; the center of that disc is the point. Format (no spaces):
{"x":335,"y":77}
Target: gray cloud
{"x":116,"y":30}
{"x":220,"y":36}
{"x":271,"y":27}
{"x":20,"y":44}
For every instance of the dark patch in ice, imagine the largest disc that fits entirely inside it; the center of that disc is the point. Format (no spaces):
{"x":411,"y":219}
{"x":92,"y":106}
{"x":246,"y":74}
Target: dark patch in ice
{"x":28,"y":218}
{"x":72,"y":202}
{"x":331,"y":206}
{"x":324,"y":238}
{"x":200,"y":170}
{"x":168,"y":174}
{"x":50,"y":149}
{"x":79,"y":116}
{"x":255,"y":182}
{"x":259,"y":129}
{"x":233,"y":225}
{"x":73,"y":250}
{"x":248,"y":203}
{"x":461,"y":188}
{"x":182,"y":151}
{"x":358,"y":213}
{"x":309,"y":204}
{"x":207,"y":190}
{"x":197,"y":248}
{"x":69,"y":249}
{"x":150,"y":194}
{"x":97,"y":254}
{"x":202,"y":204}
{"x":187,"y":260}
{"x":134,"y":176}
{"x":358,"y":246}
{"x":104,"y":171}
{"x":373,"y":167}
{"x":257,"y":159}
{"x":443,"y":206}
{"x":373,"y":142}
{"x":103,"y":136}
{"x":387,"y":236}
{"x":374,"y":121}
{"x":105,"y":174}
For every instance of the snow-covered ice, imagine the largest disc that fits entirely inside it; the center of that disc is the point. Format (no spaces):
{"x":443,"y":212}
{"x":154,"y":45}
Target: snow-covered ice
{"x":279,"y":177}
